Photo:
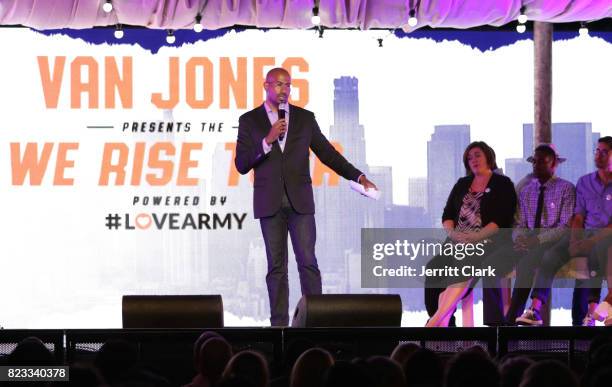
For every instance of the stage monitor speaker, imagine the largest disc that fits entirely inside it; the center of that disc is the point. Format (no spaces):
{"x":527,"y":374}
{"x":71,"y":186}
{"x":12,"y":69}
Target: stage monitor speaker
{"x":193,"y":311}
{"x":348,"y":310}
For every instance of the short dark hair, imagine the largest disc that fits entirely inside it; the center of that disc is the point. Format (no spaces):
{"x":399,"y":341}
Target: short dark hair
{"x":550,"y":373}
{"x":606,"y":140}
{"x":471,"y":368}
{"x":486,"y":149}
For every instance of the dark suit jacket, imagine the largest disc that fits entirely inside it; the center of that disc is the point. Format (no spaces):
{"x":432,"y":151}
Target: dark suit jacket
{"x":290,"y":166}
{"x":497,"y":205}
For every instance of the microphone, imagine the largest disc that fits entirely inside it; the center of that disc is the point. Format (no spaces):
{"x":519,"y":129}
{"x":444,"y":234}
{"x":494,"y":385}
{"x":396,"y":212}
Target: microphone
{"x":281,"y":116}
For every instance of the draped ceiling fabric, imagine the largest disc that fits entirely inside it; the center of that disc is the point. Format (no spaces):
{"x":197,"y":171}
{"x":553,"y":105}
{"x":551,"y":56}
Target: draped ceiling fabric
{"x":364,"y":14}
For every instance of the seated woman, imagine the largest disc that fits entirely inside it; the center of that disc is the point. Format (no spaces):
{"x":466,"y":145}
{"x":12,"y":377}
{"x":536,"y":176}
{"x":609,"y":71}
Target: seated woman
{"x":478,"y":206}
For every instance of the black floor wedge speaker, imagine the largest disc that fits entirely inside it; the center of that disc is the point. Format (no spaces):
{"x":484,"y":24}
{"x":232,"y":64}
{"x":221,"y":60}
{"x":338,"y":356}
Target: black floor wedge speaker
{"x":192,"y":311}
{"x":348,"y":310}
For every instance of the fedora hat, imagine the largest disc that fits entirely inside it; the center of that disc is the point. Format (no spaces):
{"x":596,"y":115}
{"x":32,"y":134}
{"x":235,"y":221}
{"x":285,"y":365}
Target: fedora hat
{"x":549,"y":146}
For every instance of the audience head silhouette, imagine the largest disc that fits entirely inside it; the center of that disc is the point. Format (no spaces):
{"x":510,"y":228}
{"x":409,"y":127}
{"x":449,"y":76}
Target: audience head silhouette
{"x":250,"y":365}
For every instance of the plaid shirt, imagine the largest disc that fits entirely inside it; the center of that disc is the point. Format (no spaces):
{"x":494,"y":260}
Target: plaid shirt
{"x":558,"y":208}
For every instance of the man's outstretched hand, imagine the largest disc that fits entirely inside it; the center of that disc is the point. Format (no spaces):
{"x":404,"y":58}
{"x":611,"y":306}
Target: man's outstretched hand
{"x":366,"y":183}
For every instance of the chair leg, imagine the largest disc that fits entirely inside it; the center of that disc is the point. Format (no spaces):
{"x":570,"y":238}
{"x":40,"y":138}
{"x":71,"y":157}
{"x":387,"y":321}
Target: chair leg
{"x":506,"y":291}
{"x":467,"y":310}
{"x":545,"y":310}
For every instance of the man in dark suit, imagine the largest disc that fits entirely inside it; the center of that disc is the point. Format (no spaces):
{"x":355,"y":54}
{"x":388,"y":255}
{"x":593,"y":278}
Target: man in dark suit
{"x":277,"y":149}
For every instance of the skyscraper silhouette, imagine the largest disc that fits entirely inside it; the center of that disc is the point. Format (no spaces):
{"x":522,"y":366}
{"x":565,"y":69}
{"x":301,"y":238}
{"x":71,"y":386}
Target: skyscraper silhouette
{"x":517,"y":168}
{"x":417,"y":192}
{"x":346,"y":128}
{"x":444,"y":166}
{"x":344,"y":212}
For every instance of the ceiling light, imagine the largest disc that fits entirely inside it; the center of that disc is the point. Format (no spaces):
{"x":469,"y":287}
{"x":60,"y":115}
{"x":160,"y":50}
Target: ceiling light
{"x":170,"y":38}
{"x":316,"y":19}
{"x":412,"y":20}
{"x":118,"y":32}
{"x":197,"y":27}
{"x":522,"y":18}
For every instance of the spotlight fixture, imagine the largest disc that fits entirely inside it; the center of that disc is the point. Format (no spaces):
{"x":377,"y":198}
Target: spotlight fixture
{"x":520,"y":28}
{"x":380,"y":42}
{"x":118,"y":31}
{"x":170,"y":38}
{"x":522,"y":18}
{"x":197,"y":27}
{"x":108,"y":6}
{"x":412,"y":20}
{"x":583,"y":30}
{"x":316,"y":19}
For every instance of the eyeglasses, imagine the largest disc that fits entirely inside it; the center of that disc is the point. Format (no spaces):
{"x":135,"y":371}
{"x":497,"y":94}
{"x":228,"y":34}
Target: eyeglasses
{"x":603,"y":152}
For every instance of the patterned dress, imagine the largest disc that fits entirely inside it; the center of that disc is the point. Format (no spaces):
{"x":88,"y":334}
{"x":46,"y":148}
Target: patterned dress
{"x":469,"y":221}
{"x":469,"y":215}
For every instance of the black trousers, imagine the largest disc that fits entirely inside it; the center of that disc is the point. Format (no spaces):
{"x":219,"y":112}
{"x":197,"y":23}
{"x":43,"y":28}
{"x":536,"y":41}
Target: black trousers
{"x":302,"y":230}
{"x":535,"y":264}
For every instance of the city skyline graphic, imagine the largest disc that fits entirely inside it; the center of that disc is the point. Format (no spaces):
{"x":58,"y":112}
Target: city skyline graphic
{"x":341,"y":214}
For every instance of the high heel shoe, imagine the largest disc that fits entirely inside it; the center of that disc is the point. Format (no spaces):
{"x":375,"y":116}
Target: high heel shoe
{"x":603,"y":312}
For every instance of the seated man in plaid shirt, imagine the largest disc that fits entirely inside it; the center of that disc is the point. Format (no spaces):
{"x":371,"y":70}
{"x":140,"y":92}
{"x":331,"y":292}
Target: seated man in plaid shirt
{"x":546,"y":204}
